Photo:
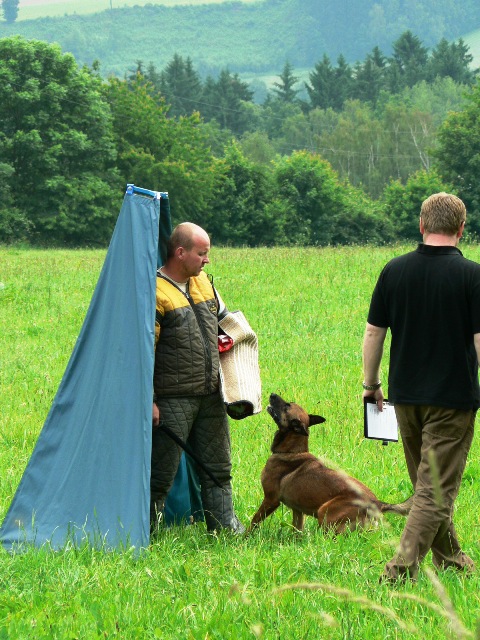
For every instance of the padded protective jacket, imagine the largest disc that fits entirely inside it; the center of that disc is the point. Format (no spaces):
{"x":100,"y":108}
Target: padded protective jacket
{"x":186,"y":339}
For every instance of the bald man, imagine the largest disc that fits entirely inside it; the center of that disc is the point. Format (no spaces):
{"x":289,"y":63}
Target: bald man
{"x":187,"y":397}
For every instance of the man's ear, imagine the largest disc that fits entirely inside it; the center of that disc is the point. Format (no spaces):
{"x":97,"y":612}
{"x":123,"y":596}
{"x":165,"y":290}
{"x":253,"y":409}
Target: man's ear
{"x":422,"y":228}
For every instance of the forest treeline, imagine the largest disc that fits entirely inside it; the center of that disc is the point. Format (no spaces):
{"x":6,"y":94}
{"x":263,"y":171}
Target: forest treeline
{"x":254,"y":37}
{"x":350,"y":162}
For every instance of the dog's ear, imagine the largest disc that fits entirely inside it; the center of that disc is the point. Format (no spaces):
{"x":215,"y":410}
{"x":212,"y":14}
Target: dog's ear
{"x":315,"y":419}
{"x":299,"y":427}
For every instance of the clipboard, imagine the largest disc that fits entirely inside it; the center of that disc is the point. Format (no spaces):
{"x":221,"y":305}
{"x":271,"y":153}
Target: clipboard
{"x":380,"y":425}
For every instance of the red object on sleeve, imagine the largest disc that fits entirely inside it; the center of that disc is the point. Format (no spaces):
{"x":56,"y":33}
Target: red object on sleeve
{"x":225,"y":343}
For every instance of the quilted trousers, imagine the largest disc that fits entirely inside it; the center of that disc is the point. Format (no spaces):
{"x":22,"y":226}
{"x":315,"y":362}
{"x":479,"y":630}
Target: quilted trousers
{"x":203,"y":423}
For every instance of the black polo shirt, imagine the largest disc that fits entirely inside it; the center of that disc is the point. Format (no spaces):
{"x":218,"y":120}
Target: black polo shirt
{"x":430,"y":300}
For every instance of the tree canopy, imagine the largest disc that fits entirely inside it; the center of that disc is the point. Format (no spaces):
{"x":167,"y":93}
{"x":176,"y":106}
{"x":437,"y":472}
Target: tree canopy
{"x":164,"y":153}
{"x":281,"y":172}
{"x":56,"y":143}
{"x":458,"y":155}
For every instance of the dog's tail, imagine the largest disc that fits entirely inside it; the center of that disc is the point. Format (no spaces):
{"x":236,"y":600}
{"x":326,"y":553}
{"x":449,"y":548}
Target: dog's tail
{"x":402,"y":508}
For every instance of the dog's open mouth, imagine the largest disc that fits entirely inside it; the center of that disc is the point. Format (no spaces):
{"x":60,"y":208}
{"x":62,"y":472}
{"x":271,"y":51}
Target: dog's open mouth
{"x":273,"y":413}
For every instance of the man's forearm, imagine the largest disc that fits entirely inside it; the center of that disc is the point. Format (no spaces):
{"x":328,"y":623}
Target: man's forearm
{"x":372,"y":353}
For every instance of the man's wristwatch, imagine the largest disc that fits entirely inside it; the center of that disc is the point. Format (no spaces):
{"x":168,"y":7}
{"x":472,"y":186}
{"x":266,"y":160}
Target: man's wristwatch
{"x":372,"y":387}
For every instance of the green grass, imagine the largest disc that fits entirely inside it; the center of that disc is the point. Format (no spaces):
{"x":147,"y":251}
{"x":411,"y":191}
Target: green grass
{"x":308,"y":307}
{"x":51,"y":8}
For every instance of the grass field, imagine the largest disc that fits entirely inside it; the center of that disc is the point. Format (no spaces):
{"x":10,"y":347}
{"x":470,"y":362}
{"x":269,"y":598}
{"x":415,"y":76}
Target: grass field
{"x":308,"y":307}
{"x":31,"y":9}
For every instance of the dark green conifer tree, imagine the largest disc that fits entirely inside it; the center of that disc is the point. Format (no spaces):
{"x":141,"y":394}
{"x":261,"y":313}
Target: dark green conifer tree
{"x":10,"y":10}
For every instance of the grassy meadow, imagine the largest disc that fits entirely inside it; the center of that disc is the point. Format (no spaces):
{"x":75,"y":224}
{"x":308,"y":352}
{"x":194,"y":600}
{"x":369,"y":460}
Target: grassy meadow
{"x":308,"y":307}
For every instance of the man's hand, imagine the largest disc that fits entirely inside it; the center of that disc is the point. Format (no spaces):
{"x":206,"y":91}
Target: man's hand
{"x":378,"y":395}
{"x":155,"y":416}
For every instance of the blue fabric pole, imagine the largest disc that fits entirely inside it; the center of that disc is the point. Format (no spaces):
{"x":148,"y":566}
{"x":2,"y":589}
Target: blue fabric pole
{"x":88,"y":478}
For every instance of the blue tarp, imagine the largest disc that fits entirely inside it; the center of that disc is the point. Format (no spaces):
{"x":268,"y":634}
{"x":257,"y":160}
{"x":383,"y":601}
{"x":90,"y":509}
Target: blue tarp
{"x":88,"y":477}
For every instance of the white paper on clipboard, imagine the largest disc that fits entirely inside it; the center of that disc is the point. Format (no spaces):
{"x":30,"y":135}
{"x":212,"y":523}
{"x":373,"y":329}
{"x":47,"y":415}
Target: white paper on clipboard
{"x":380,"y":425}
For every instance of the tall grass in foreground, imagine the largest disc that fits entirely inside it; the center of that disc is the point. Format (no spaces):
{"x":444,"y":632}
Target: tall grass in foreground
{"x":308,"y":307}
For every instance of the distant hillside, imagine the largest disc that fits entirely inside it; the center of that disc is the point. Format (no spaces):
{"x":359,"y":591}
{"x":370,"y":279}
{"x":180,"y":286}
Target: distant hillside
{"x":32,"y":9}
{"x":254,"y":37}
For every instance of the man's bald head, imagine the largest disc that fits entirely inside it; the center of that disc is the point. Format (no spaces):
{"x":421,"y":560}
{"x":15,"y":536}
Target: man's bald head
{"x":186,"y":235}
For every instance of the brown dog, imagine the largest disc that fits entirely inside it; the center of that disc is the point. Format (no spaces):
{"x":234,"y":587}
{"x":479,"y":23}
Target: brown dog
{"x":302,"y":482}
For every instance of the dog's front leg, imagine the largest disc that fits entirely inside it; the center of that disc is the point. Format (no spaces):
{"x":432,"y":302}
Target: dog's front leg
{"x":298,"y":520}
{"x":266,"y":508}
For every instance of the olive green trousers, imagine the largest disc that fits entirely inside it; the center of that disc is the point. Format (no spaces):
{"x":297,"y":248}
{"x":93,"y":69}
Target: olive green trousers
{"x":436,"y":441}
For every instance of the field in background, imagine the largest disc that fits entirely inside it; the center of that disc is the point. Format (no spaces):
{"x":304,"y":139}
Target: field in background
{"x":308,"y":307}
{"x":31,"y":9}
{"x":473,"y":42}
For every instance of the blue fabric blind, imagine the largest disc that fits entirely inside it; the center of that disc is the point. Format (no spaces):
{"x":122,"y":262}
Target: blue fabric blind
{"x":87,"y":480}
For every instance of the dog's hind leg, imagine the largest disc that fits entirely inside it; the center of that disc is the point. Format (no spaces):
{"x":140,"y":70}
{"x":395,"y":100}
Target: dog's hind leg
{"x":338,"y":514}
{"x":266,"y":508}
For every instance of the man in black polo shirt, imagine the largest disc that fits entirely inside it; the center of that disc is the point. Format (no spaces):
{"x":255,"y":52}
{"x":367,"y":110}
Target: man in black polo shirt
{"x":430,"y":301}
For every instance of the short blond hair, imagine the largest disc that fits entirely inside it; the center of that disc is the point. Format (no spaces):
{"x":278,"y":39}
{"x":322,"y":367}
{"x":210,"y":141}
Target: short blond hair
{"x":443,"y":213}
